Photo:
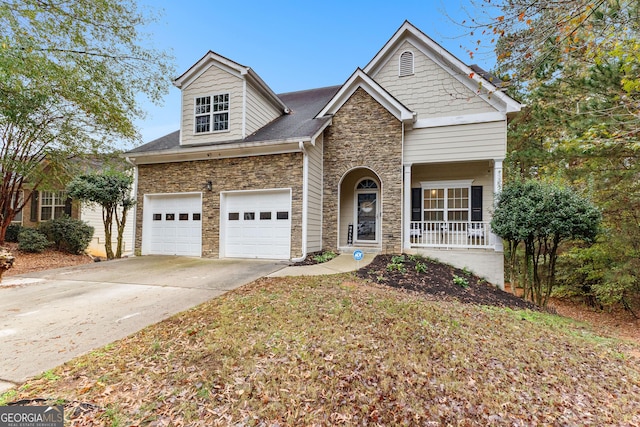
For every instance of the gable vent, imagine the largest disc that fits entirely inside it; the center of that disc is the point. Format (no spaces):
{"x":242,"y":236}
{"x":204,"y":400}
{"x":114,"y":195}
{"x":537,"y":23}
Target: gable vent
{"x":406,"y":64}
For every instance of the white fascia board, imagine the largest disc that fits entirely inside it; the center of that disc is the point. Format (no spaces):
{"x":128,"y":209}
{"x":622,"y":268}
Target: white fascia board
{"x":243,"y":149}
{"x":465,"y":119}
{"x":194,"y":74}
{"x":361,"y":80}
{"x":266,"y":90}
{"x":319,"y":132}
{"x":456,"y":68}
{"x":209,"y":59}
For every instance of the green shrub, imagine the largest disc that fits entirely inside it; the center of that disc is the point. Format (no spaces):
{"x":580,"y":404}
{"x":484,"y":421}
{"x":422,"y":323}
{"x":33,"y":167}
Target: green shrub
{"x":416,"y":258}
{"x":397,"y":263}
{"x":324,"y":257}
{"x":68,"y":234}
{"x":397,"y":259}
{"x":421,"y":267}
{"x":12,"y":232}
{"x":460,"y":281}
{"x":31,"y":240}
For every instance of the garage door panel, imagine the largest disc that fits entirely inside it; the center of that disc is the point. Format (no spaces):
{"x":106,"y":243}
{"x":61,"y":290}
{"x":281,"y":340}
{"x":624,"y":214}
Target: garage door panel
{"x":174,"y":226}
{"x":257,"y":233}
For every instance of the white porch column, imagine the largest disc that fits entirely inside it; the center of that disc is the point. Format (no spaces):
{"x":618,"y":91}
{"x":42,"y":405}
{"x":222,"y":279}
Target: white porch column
{"x":497,"y":175}
{"x":497,"y":188}
{"x":406,"y":217}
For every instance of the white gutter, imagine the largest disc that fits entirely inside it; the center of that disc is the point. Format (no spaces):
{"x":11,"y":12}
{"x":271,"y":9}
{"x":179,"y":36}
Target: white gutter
{"x":305,"y":201}
{"x":205,"y":152}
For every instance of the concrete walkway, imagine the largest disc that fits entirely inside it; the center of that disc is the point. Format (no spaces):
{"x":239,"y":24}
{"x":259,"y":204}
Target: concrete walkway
{"x":343,"y":263}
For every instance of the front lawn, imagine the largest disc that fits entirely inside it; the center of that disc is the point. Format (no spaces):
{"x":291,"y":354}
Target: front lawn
{"x":330,"y":351}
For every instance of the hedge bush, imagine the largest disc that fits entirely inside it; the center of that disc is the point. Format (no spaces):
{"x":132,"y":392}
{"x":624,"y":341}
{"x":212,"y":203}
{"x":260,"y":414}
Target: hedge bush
{"x":12,"y":232}
{"x":68,"y":234}
{"x":31,"y":240}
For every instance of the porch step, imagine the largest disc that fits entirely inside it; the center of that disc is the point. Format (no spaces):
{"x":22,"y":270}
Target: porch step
{"x":365,"y":249}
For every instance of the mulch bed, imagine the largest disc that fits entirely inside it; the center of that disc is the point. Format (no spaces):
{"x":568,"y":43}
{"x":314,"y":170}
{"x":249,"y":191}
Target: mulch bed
{"x":438,"y":281}
{"x":29,"y":262}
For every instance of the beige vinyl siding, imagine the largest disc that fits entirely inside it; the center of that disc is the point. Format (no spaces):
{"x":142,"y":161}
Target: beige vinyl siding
{"x":456,"y":143}
{"x":259,"y":111}
{"x":481,"y":173}
{"x":430,"y":91}
{"x":213,"y":81}
{"x":92,"y":214}
{"x":314,"y":212}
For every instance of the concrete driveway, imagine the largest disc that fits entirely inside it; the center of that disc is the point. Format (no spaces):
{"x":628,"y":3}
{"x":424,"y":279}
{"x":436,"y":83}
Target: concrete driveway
{"x":50,"y":317}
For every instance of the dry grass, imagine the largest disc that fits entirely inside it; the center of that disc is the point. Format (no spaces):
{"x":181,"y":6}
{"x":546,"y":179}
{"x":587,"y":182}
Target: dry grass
{"x":330,"y":351}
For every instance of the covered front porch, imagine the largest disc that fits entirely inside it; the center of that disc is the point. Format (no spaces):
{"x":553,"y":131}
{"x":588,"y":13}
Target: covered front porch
{"x":449,"y":205}
{"x":447,"y":214}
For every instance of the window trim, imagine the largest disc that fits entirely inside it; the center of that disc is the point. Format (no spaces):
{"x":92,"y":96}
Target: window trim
{"x":19,"y":216}
{"x":446,"y":185}
{"x":60,"y":197}
{"x":212,"y":113}
{"x":358,"y":190}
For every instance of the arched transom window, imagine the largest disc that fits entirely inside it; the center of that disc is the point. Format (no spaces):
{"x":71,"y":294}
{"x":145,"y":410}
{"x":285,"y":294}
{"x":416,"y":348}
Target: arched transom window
{"x":367,"y":184}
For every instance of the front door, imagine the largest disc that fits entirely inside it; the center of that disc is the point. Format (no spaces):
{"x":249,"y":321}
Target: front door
{"x":366,"y":211}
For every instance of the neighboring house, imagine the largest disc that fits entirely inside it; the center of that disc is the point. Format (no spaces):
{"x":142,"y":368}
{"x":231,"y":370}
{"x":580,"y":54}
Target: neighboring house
{"x":46,"y":205}
{"x":92,"y":214}
{"x":405,"y":156}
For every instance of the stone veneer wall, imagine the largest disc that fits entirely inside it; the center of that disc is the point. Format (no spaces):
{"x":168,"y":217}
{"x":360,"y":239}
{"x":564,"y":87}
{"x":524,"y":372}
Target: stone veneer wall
{"x":247,"y":173}
{"x":364,"y":134}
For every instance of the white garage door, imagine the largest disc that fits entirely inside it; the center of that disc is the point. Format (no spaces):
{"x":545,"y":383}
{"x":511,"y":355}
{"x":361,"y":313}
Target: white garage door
{"x":173,"y":224}
{"x":257,"y":224}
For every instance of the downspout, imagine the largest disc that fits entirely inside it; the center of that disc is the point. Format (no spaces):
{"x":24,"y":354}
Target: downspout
{"x":244,"y":108}
{"x":305,"y":200}
{"x":402,"y":193}
{"x":135,"y":206}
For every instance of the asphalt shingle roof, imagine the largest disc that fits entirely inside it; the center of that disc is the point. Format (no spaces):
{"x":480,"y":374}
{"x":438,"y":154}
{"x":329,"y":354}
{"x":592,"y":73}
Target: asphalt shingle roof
{"x":299,"y":123}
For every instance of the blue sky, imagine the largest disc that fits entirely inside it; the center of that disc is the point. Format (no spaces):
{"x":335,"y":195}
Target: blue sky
{"x":292,"y":45}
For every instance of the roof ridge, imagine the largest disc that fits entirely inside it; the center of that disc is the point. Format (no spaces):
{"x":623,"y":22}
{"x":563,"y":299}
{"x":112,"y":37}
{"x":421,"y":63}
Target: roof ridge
{"x":309,"y":90}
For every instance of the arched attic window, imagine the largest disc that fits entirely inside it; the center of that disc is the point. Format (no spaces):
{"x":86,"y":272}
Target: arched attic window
{"x":406,"y":64}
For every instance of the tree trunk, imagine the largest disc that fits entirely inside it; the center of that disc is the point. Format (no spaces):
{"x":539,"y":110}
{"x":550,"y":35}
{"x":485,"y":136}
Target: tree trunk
{"x":513,"y":263}
{"x":526,"y":282}
{"x":4,"y":224}
{"x":121,"y":225}
{"x":551,"y":270}
{"x":107,"y":219}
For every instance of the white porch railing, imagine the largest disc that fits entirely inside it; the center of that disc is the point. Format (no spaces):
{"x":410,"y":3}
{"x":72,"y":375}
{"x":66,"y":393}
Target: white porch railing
{"x":451,"y":234}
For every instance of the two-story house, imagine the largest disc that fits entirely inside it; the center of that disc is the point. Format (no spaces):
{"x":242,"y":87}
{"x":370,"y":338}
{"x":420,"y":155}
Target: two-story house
{"x":405,"y":156}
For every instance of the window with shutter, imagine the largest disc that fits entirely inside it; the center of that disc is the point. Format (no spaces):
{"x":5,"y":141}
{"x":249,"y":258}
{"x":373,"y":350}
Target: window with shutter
{"x":450,"y":201}
{"x":34,"y":206}
{"x":476,"y":203}
{"x":416,"y":204}
{"x":406,"y":64}
{"x":52,"y":204}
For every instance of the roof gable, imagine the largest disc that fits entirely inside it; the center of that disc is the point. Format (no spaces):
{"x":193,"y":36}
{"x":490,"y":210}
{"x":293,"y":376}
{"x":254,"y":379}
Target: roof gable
{"x":359,"y":79}
{"x":211,"y":59}
{"x":475,"y":81}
